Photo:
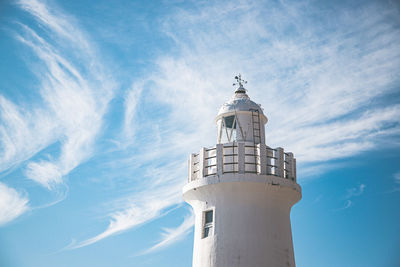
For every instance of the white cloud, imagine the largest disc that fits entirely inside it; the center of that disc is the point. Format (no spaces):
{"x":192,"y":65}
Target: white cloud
{"x":316,"y":85}
{"x":347,"y":205}
{"x":45,"y":173}
{"x":397,"y":177}
{"x":355,"y":191}
{"x":173,"y":235}
{"x":131,"y":102}
{"x":12,"y":204}
{"x":21,"y":135}
{"x":74,"y":94}
{"x":152,"y":198}
{"x":140,"y":211}
{"x":57,"y":22}
{"x":351,"y":194}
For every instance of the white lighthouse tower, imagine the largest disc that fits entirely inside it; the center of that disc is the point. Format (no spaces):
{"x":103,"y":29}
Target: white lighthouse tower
{"x":242,"y":192}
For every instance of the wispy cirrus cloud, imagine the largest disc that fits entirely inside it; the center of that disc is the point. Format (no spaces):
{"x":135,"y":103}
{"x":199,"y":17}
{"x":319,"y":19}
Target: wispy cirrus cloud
{"x":349,"y":203}
{"x":173,"y":235}
{"x":74,"y":92}
{"x":12,"y":204}
{"x":130,"y":116}
{"x":355,"y":191}
{"x":351,"y":194}
{"x":396,"y":177}
{"x":21,"y":135}
{"x":155,"y":194}
{"x":317,"y":84}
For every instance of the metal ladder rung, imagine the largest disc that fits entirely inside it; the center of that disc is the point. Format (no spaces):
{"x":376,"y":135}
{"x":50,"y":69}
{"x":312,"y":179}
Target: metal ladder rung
{"x":255,"y":116}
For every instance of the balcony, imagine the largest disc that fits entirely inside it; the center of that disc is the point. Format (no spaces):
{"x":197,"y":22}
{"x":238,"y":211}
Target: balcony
{"x":242,"y":158}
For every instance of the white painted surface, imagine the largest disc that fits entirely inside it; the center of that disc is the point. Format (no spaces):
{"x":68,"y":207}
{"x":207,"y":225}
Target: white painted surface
{"x":251,"y":220}
{"x":250,"y":188}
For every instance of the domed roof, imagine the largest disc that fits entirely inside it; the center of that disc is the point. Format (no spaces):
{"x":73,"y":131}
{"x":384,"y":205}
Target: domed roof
{"x":239,"y":102}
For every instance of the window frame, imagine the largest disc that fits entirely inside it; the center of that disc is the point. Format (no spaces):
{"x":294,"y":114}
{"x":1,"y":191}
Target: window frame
{"x":227,"y":134}
{"x":208,"y":227}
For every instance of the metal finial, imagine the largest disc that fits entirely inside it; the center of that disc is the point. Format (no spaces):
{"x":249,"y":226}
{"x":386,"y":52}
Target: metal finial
{"x":240,"y":82}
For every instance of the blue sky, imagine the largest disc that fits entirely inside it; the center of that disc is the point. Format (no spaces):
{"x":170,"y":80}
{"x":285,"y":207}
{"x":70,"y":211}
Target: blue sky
{"x":102,"y":102}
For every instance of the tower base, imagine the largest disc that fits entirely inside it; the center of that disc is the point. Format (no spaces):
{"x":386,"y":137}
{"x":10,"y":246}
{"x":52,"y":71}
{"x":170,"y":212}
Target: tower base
{"x":251,"y":220}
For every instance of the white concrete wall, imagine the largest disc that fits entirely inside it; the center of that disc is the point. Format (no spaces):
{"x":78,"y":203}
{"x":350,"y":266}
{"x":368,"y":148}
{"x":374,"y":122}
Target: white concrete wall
{"x":251,"y":220}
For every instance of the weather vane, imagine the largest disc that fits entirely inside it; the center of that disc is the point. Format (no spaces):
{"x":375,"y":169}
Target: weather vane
{"x":239,"y":81}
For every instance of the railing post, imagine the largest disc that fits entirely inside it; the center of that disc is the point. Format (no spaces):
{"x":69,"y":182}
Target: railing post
{"x":201,"y":162}
{"x":262,"y":153}
{"x":241,"y":157}
{"x":294,"y":170}
{"x":280,"y":162}
{"x":290,"y":165}
{"x":190,"y":168}
{"x":219,"y":154}
{"x":270,"y":154}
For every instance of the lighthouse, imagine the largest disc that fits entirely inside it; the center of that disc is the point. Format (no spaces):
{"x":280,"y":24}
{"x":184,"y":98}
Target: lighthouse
{"x":242,"y":191}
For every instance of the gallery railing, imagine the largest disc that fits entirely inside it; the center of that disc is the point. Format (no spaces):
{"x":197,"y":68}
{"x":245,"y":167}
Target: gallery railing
{"x":242,"y":157}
